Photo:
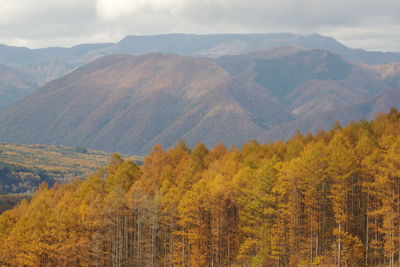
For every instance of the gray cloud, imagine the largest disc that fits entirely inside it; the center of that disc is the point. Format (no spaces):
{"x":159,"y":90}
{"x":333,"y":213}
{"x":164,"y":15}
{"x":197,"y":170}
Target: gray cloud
{"x":370,"y":24}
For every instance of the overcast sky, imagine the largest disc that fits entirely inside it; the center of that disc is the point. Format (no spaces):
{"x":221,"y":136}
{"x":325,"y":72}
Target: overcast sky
{"x":368,"y":24}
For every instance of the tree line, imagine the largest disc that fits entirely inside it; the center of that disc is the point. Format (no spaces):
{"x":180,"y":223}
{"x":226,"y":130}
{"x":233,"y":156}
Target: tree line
{"x":327,"y":199}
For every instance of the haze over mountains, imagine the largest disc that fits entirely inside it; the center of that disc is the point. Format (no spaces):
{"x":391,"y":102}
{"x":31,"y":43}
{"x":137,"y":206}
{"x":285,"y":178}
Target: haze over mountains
{"x":129,"y":103}
{"x":49,"y":63}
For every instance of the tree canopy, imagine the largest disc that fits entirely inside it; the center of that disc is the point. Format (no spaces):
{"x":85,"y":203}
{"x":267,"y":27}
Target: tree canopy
{"x":327,"y":199}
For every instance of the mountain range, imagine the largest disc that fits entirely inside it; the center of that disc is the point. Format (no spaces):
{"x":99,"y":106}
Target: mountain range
{"x":49,"y":63}
{"x":46,"y":64}
{"x":129,"y":103}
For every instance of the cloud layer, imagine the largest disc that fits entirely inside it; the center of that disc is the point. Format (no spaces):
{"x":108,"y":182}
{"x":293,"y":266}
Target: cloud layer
{"x":369,"y":24}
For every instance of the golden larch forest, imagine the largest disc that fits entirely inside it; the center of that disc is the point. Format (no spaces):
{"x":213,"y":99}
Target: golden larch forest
{"x":327,"y":199}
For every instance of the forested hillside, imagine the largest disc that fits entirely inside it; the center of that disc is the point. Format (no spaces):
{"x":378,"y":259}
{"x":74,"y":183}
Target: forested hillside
{"x":127,"y":104}
{"x":324,"y":199}
{"x":24,"y":167}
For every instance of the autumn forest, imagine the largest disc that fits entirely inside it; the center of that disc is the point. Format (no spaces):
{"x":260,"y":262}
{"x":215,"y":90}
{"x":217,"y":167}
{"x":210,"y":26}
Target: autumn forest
{"x":327,"y":199}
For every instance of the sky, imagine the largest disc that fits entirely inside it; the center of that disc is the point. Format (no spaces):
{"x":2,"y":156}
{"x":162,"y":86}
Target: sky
{"x":368,"y":24}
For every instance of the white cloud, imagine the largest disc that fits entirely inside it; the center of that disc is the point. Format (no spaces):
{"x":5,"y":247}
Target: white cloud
{"x":109,"y":10}
{"x":371,"y":24}
{"x":115,"y":9}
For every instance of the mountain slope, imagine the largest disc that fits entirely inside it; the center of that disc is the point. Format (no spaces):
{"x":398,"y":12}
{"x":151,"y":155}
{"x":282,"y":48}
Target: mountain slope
{"x":47,"y":64}
{"x":14,"y":84}
{"x":128,"y":104}
{"x":323,"y":121}
{"x":306,"y":81}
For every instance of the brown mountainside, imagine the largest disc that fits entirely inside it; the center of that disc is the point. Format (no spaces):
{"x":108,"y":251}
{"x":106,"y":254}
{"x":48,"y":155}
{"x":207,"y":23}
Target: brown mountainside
{"x":306,"y":82}
{"x":47,"y":64}
{"x":129,"y":103}
{"x":325,"y":120}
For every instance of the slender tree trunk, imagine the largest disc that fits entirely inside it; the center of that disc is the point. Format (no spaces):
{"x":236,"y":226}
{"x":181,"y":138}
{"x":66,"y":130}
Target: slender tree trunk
{"x":316,"y":245}
{"x":367,"y":231}
{"x":139,"y":247}
{"x":183,"y":250}
{"x":311,"y":236}
{"x":398,"y":224}
{"x":153,"y":238}
{"x":339,"y":247}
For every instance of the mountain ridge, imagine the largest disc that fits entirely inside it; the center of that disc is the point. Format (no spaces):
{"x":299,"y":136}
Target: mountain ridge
{"x":211,"y":45}
{"x":165,"y":84}
{"x":47,"y":64}
{"x":129,"y":103}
